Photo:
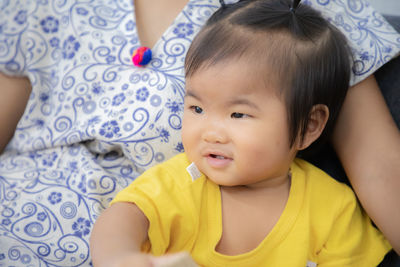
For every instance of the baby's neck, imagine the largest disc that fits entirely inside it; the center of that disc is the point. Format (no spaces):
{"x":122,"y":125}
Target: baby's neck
{"x":249,"y":214}
{"x":264,"y":186}
{"x":256,"y":196}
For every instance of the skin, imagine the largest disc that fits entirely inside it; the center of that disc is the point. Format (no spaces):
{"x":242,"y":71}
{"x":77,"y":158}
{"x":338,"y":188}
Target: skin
{"x":221,"y":114}
{"x":150,"y":29}
{"x":117,"y":236}
{"x":15,"y":93}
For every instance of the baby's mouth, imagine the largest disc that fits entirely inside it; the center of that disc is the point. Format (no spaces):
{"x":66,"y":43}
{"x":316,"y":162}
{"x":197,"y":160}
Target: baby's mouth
{"x":218,"y":161}
{"x":217,"y":156}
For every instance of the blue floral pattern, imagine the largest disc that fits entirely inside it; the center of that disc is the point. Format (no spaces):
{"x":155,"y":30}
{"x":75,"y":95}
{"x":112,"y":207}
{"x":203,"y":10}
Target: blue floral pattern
{"x":20,"y":18}
{"x":49,"y":24}
{"x":81,"y":227}
{"x":94,"y":122}
{"x":70,"y":47}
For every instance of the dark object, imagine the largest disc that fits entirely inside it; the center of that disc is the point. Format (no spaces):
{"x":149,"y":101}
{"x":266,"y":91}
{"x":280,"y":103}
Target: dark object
{"x":391,"y":260}
{"x":294,"y":5}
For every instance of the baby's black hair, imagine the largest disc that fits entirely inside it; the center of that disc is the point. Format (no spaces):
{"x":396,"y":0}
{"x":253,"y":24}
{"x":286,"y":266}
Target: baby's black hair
{"x":309,"y":58}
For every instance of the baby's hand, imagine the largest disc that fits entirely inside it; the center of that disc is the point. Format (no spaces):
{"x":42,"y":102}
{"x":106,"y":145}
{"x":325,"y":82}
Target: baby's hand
{"x":131,"y":260}
{"x":182,"y":259}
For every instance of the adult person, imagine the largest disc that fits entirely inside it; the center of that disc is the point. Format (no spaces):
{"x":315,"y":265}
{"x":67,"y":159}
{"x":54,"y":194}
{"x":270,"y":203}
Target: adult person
{"x":94,"y":121}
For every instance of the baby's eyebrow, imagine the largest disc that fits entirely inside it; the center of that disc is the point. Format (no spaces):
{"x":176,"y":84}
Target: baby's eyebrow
{"x":243,"y":101}
{"x":192,"y":94}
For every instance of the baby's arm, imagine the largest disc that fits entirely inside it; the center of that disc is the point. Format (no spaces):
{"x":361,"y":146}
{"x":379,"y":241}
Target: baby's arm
{"x":118,"y":235}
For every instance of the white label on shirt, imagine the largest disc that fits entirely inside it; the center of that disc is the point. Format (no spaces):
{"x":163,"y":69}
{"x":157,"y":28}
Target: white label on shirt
{"x":193,"y":171}
{"x":311,"y":264}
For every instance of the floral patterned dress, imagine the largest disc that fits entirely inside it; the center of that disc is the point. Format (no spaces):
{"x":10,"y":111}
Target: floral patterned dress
{"x":94,"y":121}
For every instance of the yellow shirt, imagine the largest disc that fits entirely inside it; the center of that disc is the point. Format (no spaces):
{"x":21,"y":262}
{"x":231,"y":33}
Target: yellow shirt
{"x":321,"y":223}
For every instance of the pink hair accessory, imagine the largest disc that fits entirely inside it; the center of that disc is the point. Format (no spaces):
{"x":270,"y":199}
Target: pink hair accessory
{"x":141,"y":56}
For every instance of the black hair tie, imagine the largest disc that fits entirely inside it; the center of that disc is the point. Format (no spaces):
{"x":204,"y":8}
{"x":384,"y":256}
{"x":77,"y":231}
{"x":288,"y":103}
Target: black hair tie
{"x":222,"y":2}
{"x":294,"y":5}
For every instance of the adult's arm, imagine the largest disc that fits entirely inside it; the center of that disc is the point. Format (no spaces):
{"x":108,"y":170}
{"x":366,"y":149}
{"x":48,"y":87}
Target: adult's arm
{"x":14,"y":94}
{"x":367,"y":142}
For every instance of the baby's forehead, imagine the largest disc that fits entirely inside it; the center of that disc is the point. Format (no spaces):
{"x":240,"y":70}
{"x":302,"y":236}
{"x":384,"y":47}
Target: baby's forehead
{"x":244,"y":68}
{"x":235,"y":76}
{"x":262,"y":48}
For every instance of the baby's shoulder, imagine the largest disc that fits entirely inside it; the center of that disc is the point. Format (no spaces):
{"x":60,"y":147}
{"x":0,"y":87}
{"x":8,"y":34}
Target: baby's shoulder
{"x":320,"y":186}
{"x":173,"y":171}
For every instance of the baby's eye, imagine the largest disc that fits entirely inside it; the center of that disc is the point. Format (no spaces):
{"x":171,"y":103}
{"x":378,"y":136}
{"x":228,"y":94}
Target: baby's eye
{"x":237,"y":115}
{"x":197,"y":109}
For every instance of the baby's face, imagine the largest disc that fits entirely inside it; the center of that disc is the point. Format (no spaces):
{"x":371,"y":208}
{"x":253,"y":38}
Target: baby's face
{"x":235,"y":126}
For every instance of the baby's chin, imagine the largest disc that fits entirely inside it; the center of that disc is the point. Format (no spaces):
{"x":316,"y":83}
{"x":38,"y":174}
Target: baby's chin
{"x":224,"y":181}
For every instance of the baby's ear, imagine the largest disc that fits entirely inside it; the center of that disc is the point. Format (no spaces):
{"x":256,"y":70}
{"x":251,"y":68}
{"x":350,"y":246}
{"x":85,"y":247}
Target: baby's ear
{"x":318,"y":117}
